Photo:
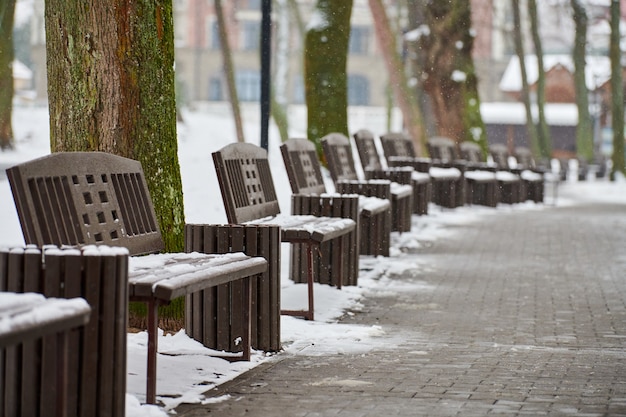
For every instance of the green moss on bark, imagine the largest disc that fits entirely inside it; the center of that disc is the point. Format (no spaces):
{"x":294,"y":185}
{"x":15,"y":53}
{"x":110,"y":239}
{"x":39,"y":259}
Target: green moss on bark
{"x":326,"y":52}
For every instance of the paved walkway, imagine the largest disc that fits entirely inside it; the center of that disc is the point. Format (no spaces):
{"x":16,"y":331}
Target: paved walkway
{"x":527,"y":316}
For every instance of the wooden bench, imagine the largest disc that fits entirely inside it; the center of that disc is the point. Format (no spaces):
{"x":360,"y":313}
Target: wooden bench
{"x":305,"y":177}
{"x":249,"y":197}
{"x":373,"y":169}
{"x":96,"y":198}
{"x":25,"y":319}
{"x":338,"y":153}
{"x":513,"y":187}
{"x":481,"y":178}
{"x":399,"y":151}
{"x":531,"y":173}
{"x":96,"y":366}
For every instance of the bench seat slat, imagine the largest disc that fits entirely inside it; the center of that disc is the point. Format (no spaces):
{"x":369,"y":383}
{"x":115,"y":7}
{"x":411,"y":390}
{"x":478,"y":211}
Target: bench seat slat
{"x":28,"y":316}
{"x":308,"y":227}
{"x":181,"y":275}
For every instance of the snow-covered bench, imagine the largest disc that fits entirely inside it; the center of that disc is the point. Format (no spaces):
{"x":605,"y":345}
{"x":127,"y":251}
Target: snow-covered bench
{"x":309,"y":193}
{"x":249,"y":197}
{"x":373,"y":169}
{"x":448,"y":189}
{"x":25,"y":319}
{"x":96,"y":198}
{"x":338,"y":154}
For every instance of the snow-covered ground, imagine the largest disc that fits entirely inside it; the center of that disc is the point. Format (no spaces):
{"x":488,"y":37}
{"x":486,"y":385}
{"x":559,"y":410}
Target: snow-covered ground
{"x":185,"y":368}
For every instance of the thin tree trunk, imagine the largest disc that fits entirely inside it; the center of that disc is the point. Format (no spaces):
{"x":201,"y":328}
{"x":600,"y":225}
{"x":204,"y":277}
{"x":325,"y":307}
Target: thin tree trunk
{"x":584,"y":129}
{"x":395,"y":67}
{"x":111,"y":88}
{"x":519,"y":50}
{"x":7,"y":54}
{"x":543,"y":131}
{"x":617,"y":93}
{"x":326,"y":55}
{"x":229,"y":70}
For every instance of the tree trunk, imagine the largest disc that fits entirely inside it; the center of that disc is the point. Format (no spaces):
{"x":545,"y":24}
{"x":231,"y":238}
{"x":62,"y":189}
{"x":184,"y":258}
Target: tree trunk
{"x":617,"y":93}
{"x":584,"y":130}
{"x":449,"y":76}
{"x":399,"y":83}
{"x":543,"y":131}
{"x":519,"y":51}
{"x":111,"y":88}
{"x":229,"y":70}
{"x":325,"y":79}
{"x":7,"y":14}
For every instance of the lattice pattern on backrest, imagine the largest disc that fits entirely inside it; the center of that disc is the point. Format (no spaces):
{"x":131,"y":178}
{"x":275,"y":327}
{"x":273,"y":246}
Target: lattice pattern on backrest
{"x":308,"y":171}
{"x":471,"y":152}
{"x":442,"y":148}
{"x":246,"y":182}
{"x":339,"y":157}
{"x":302,"y":166}
{"x":500,"y":155}
{"x":397,"y":144}
{"x":524,"y":157}
{"x":81,"y":198}
{"x":368,"y":153}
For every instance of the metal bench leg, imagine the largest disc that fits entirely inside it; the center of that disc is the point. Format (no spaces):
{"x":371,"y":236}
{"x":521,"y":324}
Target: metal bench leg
{"x":247,"y":290}
{"x":306,"y":314}
{"x":153,"y":335}
{"x":310,"y":314}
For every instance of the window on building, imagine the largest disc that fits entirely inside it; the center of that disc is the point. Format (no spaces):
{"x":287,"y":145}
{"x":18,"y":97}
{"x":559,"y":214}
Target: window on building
{"x":359,"y":39}
{"x":251,"y":36}
{"x":248,"y":84}
{"x":216,"y":89}
{"x":214,"y":33}
{"x":358,"y":90}
{"x":254,"y":4}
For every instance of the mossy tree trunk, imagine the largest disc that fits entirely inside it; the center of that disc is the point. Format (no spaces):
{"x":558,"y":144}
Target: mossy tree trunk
{"x":584,"y":129}
{"x":402,"y":93}
{"x":617,"y":93}
{"x":325,"y":78}
{"x":543,"y":130}
{"x":519,"y":51}
{"x":7,"y":14}
{"x":111,"y":88}
{"x":448,"y":71}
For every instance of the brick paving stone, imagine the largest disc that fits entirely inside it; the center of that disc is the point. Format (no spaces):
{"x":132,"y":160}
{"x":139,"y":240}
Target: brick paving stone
{"x":525,"y":315}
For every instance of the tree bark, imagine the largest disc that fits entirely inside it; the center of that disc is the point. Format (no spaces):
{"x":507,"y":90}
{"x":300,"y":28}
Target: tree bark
{"x":449,"y":76}
{"x":229,"y":70}
{"x":617,"y":93}
{"x":111,"y":88}
{"x":543,"y":131}
{"x":399,"y":82}
{"x":584,"y":130}
{"x":519,"y":51}
{"x":325,"y":79}
{"x":7,"y":54}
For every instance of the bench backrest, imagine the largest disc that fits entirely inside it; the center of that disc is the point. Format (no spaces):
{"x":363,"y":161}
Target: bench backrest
{"x":366,"y":147}
{"x":524,"y":157}
{"x":471,"y":152}
{"x":246,"y":183}
{"x":303,"y":167}
{"x":442,"y":148}
{"x":397,"y":144}
{"x":500,"y":154}
{"x":85,"y":198}
{"x":338,"y":153}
